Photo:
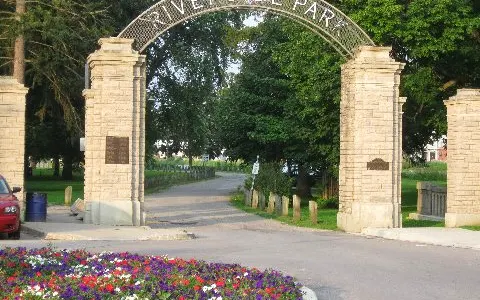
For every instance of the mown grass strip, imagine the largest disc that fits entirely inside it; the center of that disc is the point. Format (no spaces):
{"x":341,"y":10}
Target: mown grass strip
{"x":327,"y":218}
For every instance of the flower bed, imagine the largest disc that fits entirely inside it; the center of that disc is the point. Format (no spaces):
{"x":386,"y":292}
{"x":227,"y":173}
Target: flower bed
{"x":63,"y":274}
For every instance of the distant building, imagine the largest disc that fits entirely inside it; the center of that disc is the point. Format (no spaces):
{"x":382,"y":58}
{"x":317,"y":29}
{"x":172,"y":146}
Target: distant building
{"x":437,"y":151}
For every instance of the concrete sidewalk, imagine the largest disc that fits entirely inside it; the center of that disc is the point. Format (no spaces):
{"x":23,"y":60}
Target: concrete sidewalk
{"x":448,"y":237}
{"x":61,"y":225}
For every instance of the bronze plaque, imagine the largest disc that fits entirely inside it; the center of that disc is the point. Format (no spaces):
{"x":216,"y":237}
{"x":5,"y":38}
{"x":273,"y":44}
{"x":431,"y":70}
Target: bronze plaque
{"x":117,"y":150}
{"x":378,"y":164}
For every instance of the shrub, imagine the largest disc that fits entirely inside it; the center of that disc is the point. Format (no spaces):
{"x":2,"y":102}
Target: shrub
{"x":433,"y":171}
{"x":271,"y":179}
{"x":328,"y":203}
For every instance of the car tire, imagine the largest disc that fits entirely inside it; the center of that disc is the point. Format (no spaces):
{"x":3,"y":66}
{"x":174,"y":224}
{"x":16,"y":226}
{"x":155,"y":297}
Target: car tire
{"x":15,"y":235}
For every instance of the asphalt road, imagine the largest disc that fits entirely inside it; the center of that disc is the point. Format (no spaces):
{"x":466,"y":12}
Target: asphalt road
{"x":335,"y":265}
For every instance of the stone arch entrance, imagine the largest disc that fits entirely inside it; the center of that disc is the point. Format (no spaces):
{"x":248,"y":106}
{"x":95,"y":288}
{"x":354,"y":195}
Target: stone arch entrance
{"x":370,"y":126}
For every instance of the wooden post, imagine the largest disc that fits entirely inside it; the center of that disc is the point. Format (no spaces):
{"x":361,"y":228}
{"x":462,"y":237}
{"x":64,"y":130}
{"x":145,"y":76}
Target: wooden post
{"x":261,"y":200}
{"x":255,"y":199}
{"x":278,"y":205}
{"x":313,"y":207}
{"x":271,"y":203}
{"x":68,"y":196}
{"x":296,"y":208}
{"x":285,"y":203}
{"x":248,"y":197}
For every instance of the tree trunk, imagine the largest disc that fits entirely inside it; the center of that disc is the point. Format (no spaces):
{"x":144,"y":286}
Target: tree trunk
{"x":67,"y":173}
{"x":56,"y":166}
{"x":19,"y":54}
{"x":190,"y":160}
{"x":303,"y":185}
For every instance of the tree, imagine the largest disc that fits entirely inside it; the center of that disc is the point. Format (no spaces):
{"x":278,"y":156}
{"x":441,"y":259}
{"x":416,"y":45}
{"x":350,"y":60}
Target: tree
{"x":59,"y":36}
{"x":186,"y":66}
{"x":19,"y":51}
{"x":439,"y":40}
{"x":284,"y":103}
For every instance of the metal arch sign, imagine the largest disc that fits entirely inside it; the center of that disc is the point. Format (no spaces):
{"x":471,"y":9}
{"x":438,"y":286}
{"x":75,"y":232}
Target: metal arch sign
{"x":321,"y":17}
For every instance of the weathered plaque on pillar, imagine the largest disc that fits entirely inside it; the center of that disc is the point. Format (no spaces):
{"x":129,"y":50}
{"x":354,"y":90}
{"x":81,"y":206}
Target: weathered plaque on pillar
{"x":117,"y":150}
{"x":378,"y":164}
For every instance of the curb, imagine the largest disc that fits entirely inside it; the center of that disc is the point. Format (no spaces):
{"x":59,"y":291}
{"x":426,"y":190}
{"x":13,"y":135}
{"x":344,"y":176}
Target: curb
{"x":107,"y":234}
{"x":464,"y":242}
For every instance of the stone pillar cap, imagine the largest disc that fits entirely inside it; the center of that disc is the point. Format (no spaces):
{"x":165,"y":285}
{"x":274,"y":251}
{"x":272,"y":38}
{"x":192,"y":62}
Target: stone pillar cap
{"x":116,"y":44}
{"x":468,"y":93}
{"x":464,"y":94}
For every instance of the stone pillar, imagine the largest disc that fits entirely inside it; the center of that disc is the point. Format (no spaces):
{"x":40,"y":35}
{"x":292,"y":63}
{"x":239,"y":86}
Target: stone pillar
{"x":115,"y":135}
{"x":12,"y":134}
{"x":370,"y":141}
{"x":463,"y":185}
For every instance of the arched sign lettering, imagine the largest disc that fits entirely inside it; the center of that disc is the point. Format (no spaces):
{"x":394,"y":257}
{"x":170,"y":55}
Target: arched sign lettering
{"x":320,"y":16}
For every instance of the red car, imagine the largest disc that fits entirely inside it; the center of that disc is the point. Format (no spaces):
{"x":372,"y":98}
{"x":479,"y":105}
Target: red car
{"x":9,"y":210}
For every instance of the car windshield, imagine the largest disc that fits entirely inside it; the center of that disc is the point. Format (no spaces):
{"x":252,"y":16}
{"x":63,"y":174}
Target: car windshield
{"x":3,"y":187}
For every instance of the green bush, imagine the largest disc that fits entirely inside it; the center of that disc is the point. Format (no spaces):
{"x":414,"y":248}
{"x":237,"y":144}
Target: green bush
{"x":432,"y":171}
{"x":271,"y":179}
{"x":328,"y":203}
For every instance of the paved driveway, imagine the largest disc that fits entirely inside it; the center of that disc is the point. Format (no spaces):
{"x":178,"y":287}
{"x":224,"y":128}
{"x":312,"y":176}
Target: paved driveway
{"x":335,"y":265}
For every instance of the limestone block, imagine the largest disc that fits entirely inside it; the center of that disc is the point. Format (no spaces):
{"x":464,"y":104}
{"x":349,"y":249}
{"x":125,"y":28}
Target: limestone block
{"x":110,"y":213}
{"x":370,"y":127}
{"x":463,"y":116}
{"x":365,"y":215}
{"x":12,"y":135}
{"x":113,"y":105}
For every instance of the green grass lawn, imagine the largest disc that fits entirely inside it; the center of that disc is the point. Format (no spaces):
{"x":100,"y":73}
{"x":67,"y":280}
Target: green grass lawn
{"x":43,"y":181}
{"x":474,"y":228}
{"x":328,"y":217}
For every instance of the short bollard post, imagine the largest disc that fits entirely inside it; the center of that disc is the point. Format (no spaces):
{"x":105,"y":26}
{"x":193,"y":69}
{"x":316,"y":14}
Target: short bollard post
{"x":313,"y":207}
{"x":255,"y":199}
{"x":271,"y":203}
{"x":285,"y":204}
{"x":248,"y":197}
{"x":68,"y":196}
{"x":296,"y":208}
{"x":261,"y":200}
{"x":278,"y":205}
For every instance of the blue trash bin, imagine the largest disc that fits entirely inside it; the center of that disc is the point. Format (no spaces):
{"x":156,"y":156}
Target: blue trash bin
{"x":36,"y":207}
